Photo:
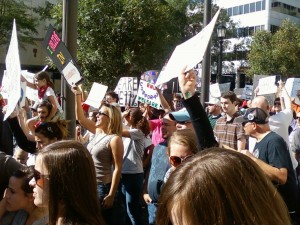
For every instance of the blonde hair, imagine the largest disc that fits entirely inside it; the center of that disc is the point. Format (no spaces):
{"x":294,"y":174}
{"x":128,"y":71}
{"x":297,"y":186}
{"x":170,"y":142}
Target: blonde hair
{"x":219,"y":187}
{"x":115,"y":120}
{"x":184,"y":137}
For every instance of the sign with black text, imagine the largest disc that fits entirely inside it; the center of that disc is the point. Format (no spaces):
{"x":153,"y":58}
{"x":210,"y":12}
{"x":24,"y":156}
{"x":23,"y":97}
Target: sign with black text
{"x":127,"y":89}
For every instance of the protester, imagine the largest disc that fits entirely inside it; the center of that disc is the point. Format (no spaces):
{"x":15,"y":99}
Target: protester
{"x":219,"y":186}
{"x":18,"y":201}
{"x":8,"y":166}
{"x":227,"y":131}
{"x":182,"y":118}
{"x":271,"y":155}
{"x":132,"y":171}
{"x":111,"y":97}
{"x":182,"y":146}
{"x":20,"y":155}
{"x":65,"y":183}
{"x":107,"y":150}
{"x":214,"y":111}
{"x":45,"y":87}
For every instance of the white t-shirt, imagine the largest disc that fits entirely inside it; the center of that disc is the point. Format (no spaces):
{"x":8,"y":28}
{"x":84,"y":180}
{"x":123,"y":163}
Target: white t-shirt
{"x":50,"y":92}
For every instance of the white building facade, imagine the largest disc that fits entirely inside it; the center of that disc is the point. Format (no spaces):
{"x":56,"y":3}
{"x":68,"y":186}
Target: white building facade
{"x":251,"y":16}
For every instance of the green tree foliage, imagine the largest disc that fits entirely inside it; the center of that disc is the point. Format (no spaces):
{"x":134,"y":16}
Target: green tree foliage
{"x":26,"y":23}
{"x":277,"y":53}
{"x":127,"y":37}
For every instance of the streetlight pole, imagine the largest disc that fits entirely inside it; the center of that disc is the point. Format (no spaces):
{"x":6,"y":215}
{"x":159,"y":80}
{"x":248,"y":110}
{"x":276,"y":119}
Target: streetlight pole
{"x":220,"y":60}
{"x":221,"y":32}
{"x":205,"y":79}
{"x":69,"y":36}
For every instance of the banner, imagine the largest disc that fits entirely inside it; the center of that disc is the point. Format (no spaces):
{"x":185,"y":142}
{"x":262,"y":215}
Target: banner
{"x":96,"y":95}
{"x":148,"y":94}
{"x":13,"y":73}
{"x":61,"y":57}
{"x":127,"y":89}
{"x":189,"y":53}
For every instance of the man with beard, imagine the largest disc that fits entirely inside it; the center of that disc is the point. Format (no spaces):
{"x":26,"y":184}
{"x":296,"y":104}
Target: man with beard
{"x":214,"y":111}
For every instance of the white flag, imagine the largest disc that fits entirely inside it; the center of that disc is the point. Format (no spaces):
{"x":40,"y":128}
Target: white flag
{"x":13,"y":73}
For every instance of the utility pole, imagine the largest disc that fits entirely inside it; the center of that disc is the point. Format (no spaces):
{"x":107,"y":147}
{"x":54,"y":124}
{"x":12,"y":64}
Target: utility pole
{"x":205,"y":80}
{"x":69,"y":37}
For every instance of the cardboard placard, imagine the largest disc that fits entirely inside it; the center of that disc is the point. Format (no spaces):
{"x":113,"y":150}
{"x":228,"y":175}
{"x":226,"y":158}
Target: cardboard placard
{"x":148,"y":94}
{"x":127,"y":89}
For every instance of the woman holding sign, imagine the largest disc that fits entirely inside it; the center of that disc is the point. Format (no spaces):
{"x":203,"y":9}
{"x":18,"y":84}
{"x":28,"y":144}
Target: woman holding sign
{"x":106,"y":149}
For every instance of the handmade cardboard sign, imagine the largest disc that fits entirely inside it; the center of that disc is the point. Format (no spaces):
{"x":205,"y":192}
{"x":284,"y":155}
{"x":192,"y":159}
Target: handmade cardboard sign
{"x":148,"y":94}
{"x":127,"y":89}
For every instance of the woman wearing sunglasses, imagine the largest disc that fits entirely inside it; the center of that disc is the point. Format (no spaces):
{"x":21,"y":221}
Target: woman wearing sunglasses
{"x":106,"y":149}
{"x":18,"y":202}
{"x":182,"y":145}
{"x":65,"y":183}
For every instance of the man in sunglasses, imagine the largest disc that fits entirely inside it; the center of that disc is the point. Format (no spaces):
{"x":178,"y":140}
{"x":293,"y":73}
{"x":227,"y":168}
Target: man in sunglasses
{"x":271,"y":155}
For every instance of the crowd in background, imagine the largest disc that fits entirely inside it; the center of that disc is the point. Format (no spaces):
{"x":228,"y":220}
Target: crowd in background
{"x":231,"y":161}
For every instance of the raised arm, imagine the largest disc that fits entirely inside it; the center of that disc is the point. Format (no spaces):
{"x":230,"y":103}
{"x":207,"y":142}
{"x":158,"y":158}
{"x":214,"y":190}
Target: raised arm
{"x":202,"y":127}
{"x":165,"y":105}
{"x":85,"y":122}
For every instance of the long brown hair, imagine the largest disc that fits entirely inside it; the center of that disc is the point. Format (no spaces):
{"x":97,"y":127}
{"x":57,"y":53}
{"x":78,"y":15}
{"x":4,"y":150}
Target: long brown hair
{"x":44,"y":75}
{"x":139,"y":121}
{"x":72,"y":184}
{"x":220,"y":187}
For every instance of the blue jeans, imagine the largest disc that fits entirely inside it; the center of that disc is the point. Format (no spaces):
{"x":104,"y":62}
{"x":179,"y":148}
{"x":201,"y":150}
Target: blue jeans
{"x":152,"y":207}
{"x":132,"y":185}
{"x":116,"y":214}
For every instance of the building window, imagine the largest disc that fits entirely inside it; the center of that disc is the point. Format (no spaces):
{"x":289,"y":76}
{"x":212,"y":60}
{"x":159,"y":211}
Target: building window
{"x":262,"y":27}
{"x":229,"y":11}
{"x":246,"y":8}
{"x":252,"y":7}
{"x":257,"y":28}
{"x":274,"y":29}
{"x":258,"y":6}
{"x":235,"y":11}
{"x":251,"y":31}
{"x":241,"y":9}
{"x":263,"y":5}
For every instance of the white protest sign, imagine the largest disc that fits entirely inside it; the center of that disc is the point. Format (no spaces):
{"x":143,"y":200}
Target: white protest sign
{"x":31,"y":93}
{"x":292,"y":85}
{"x":127,"y":90}
{"x":189,"y":53}
{"x":71,"y":74}
{"x":267,"y":85}
{"x":148,"y":94}
{"x":13,"y":72}
{"x":216,"y":90}
{"x":96,"y":95}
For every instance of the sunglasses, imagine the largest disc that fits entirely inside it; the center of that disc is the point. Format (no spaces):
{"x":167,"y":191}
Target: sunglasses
{"x":297,"y":118}
{"x":176,"y":161}
{"x":183,"y":122}
{"x":39,"y":178}
{"x":102,"y":113}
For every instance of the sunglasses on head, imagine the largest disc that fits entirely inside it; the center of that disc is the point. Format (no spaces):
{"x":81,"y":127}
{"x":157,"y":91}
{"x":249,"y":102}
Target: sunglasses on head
{"x":102,"y":113}
{"x":39,"y":178}
{"x":176,"y":161}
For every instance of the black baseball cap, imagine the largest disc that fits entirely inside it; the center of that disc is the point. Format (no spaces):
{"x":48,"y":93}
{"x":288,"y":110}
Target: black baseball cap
{"x":256,"y":115}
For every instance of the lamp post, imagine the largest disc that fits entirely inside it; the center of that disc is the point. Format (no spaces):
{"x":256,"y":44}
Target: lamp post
{"x":221,"y":32}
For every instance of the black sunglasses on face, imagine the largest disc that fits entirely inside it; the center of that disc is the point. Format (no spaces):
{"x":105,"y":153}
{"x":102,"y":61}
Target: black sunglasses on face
{"x":102,"y":113}
{"x":183,"y":122}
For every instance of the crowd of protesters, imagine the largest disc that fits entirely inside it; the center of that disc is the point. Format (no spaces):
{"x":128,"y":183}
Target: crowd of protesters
{"x":227,"y":162}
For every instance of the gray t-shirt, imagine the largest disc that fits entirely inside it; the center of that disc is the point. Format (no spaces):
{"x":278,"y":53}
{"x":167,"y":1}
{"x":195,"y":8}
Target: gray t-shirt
{"x":133,"y":152}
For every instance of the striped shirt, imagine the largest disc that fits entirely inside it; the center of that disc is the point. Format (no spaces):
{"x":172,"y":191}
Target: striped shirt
{"x":229,"y":132}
